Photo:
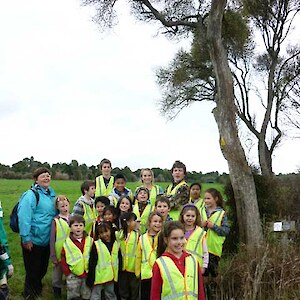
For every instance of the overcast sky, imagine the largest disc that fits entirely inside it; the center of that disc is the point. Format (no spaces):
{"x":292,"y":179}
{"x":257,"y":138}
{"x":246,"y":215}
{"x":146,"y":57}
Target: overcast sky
{"x":69,"y":91}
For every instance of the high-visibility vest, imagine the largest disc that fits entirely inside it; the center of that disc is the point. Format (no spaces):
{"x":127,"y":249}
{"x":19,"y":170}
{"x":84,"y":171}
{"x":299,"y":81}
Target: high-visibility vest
{"x":213,"y":240}
{"x":89,"y":217}
{"x":148,"y":255}
{"x":201,"y":207}
{"x":194,"y":244}
{"x":61,"y":234}
{"x":107,"y":264}
{"x":128,"y":250}
{"x":101,"y":189}
{"x":78,"y":262}
{"x":144,"y":217}
{"x":172,"y":192}
{"x":175,"y":285}
{"x":155,"y":189}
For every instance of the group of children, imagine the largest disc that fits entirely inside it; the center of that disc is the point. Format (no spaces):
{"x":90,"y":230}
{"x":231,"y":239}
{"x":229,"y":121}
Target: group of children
{"x":122,"y":245}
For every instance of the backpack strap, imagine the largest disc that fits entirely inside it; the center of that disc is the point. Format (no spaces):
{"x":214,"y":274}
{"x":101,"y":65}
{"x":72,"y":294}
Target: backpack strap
{"x":36,"y":193}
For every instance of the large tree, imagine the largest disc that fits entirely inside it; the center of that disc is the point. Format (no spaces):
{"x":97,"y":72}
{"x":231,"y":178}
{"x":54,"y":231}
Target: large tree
{"x":205,"y":17}
{"x":271,"y":75}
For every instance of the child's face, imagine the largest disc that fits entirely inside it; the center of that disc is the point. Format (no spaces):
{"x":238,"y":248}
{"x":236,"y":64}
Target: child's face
{"x":189,"y":218}
{"x":175,"y":242}
{"x":77,"y":229}
{"x":63,"y":207}
{"x":91,"y":191}
{"x":99,"y":208}
{"x":132,"y":225}
{"x":209,"y":200}
{"x":195,"y":192}
{"x":162,"y":208}
{"x":105,"y":235}
{"x":124,"y":205}
{"x":178,"y":174}
{"x":147,"y":177}
{"x":109,"y":216}
{"x":142,"y":196}
{"x":106,"y":170}
{"x":155,"y":223}
{"x":120,"y":184}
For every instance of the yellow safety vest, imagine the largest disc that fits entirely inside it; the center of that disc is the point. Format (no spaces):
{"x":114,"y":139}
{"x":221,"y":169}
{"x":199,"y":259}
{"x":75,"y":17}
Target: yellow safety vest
{"x":128,"y":250}
{"x":153,"y":193}
{"x":62,"y":232}
{"x":107,"y":264}
{"x":176,"y":286}
{"x":213,"y":240}
{"x":194,"y":244}
{"x":78,"y":262}
{"x":172,"y":192}
{"x":144,"y":217}
{"x":101,"y":189}
{"x":89,"y":217}
{"x":148,"y":255}
{"x":201,"y":207}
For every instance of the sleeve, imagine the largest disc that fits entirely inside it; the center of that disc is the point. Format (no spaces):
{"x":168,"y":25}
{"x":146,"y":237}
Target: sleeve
{"x":224,"y":229}
{"x":138,"y":260}
{"x":160,"y":190}
{"x":78,"y":209}
{"x":90,"y":279}
{"x":201,"y":295}
{"x":156,"y":285}
{"x":52,"y":242}
{"x":26,"y":210}
{"x":64,"y":266}
{"x":205,"y":253}
{"x":5,"y":256}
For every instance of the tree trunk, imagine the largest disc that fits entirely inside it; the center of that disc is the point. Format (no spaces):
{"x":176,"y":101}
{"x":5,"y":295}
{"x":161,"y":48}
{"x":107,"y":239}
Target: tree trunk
{"x":265,"y":158}
{"x":225,"y":115}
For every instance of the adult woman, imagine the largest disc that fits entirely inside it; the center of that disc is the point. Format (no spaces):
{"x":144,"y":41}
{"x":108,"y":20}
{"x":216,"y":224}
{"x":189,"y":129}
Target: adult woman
{"x":36,"y":212}
{"x":147,"y":178}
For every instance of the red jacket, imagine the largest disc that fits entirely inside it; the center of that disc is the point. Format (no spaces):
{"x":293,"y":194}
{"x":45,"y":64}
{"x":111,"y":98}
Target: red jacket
{"x":156,"y":283}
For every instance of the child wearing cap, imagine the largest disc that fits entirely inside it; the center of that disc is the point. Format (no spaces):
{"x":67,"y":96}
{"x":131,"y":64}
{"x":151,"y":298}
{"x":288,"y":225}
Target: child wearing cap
{"x":142,"y":207}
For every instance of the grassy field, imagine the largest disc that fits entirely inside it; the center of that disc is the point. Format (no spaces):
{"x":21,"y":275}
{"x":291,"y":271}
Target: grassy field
{"x":10,"y":191}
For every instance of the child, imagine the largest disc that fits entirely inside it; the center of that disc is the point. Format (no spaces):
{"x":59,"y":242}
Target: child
{"x":194,"y":234}
{"x":100,"y":203}
{"x":84,"y":206}
{"x":103,"y":263}
{"x":128,"y":238}
{"x":195,"y":194}
{"x":176,"y":273}
{"x":142,"y":207}
{"x":178,"y":191}
{"x":147,"y":178}
{"x":146,"y":253}
{"x":104,"y":182}
{"x":110,"y":214}
{"x":74,"y":259}
{"x":59,"y":232}
{"x":217,"y":229}
{"x":119,"y":189}
{"x":162,"y":205}
{"x":6,"y":267}
{"x":124,"y":205}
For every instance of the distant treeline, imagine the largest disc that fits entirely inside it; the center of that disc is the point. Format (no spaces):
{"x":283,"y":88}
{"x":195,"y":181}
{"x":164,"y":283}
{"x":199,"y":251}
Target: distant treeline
{"x":74,"y":171}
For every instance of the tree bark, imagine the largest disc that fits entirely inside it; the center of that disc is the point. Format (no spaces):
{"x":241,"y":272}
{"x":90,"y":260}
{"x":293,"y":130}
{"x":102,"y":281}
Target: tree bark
{"x":225,"y":115}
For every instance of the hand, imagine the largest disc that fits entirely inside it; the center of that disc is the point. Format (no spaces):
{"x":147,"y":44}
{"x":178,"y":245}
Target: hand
{"x":203,"y":224}
{"x":10,"y":270}
{"x":202,"y":271}
{"x":209,"y":224}
{"x":28,"y":246}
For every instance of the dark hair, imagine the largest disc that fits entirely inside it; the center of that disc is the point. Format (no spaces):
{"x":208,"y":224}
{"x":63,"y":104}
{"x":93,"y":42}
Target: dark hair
{"x":163,"y":199}
{"x":165,"y":233}
{"x":76,"y":218}
{"x":196,"y":183}
{"x":103,"y":227}
{"x":37,"y":172}
{"x":120,"y":200}
{"x":193,"y":208}
{"x":141,"y":188}
{"x":103,"y":200}
{"x":217,"y":196}
{"x":104,"y":161}
{"x":114,"y":211}
{"x":86,"y":185}
{"x":119,"y":176}
{"x":179,"y":164}
{"x":152,"y":214}
{"x":126,"y":217}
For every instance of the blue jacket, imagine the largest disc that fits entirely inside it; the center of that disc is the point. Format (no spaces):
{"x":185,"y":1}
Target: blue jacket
{"x":35,"y":220}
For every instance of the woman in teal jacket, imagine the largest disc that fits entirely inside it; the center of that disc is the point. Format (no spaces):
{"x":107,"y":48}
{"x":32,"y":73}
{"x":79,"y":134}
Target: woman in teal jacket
{"x":35,"y":213}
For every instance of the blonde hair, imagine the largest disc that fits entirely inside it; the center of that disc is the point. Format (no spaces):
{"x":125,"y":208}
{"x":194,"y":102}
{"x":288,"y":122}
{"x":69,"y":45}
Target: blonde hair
{"x":149,"y":170}
{"x":61,"y":198}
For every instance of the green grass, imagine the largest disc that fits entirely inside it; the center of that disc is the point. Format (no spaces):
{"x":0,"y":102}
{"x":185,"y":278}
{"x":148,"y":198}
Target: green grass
{"x":10,"y":192}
